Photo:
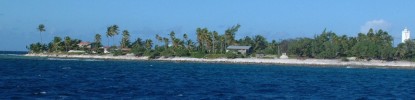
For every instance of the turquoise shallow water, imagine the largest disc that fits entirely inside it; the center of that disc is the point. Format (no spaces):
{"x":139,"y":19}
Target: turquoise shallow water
{"x":53,"y":78}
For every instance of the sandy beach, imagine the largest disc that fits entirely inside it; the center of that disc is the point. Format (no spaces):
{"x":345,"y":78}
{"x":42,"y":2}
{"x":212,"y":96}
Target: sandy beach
{"x":319,"y":62}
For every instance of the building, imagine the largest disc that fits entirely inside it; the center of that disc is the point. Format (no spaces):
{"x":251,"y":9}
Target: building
{"x":106,"y":49}
{"x":126,"y":49}
{"x":239,"y":49}
{"x":284,"y":56}
{"x":84,"y":44}
{"x":405,"y":34}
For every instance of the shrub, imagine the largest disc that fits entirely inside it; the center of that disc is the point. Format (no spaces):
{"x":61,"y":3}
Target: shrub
{"x":138,"y":51}
{"x":197,"y":54}
{"x":231,"y":55}
{"x":344,"y":59}
{"x":118,"y":53}
{"x":181,"y":52}
{"x":154,"y":55}
{"x":240,"y":56}
{"x":148,"y":52}
{"x":167,"y":53}
{"x":268,"y":57}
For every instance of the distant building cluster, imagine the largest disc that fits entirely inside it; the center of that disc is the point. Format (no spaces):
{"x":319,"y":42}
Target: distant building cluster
{"x":405,"y":34}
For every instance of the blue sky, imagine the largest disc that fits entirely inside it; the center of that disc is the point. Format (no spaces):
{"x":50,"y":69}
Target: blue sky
{"x":274,"y":19}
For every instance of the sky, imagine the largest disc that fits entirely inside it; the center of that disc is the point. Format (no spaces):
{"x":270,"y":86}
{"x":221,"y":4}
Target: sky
{"x":274,"y":19}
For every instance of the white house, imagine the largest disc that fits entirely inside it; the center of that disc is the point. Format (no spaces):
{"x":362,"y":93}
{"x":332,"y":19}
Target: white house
{"x":106,"y":49}
{"x":405,"y":34}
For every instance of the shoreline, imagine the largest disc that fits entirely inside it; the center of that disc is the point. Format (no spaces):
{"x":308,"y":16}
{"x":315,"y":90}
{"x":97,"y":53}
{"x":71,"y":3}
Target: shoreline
{"x":276,"y":61}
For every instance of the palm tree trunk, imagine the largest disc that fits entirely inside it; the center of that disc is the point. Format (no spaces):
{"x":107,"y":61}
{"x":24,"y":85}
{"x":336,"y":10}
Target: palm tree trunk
{"x":108,"y":41}
{"x":113,"y":39}
{"x":41,"y":40}
{"x":213,"y":47}
{"x":224,"y":45}
{"x":66,"y":47}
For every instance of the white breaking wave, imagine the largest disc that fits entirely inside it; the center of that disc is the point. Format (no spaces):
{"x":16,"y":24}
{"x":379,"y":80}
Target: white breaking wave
{"x":91,"y":60}
{"x":65,"y":59}
{"x":60,"y":59}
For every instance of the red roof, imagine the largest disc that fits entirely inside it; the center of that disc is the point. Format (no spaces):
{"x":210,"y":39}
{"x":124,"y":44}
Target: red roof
{"x":84,"y":43}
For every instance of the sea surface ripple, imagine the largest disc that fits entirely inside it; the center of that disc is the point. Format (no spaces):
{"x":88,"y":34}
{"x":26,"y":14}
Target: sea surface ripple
{"x":42,"y":78}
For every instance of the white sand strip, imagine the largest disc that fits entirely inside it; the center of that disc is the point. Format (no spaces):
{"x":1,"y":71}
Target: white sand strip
{"x":323,"y":62}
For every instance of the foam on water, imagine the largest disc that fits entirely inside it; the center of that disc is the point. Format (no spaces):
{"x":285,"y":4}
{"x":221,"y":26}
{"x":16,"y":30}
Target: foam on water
{"x":72,"y":59}
{"x":66,"y":68}
{"x":61,"y":59}
{"x":91,"y":60}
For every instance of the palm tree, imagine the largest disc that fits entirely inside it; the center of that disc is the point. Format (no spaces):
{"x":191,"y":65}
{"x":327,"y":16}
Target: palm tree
{"x":67,"y":42}
{"x":125,"y":39}
{"x":41,"y":28}
{"x":185,"y":36}
{"x":56,"y":42}
{"x":260,"y":43}
{"x":181,"y":43}
{"x":137,"y":43}
{"x":159,"y":38}
{"x":166,"y":42}
{"x":109,"y":34}
{"x":199,"y":37}
{"x":97,"y":38}
{"x":149,"y":44}
{"x":222,"y":41}
{"x":216,"y":39}
{"x":176,"y":42}
{"x":112,"y":31}
{"x":173,"y":39}
{"x":230,"y":34}
{"x":209,"y":41}
{"x":274,"y":46}
{"x":172,"y":35}
{"x":205,"y":39}
{"x":97,"y":41}
{"x":186,"y":39}
{"x":401,"y":50}
{"x":189,"y":44}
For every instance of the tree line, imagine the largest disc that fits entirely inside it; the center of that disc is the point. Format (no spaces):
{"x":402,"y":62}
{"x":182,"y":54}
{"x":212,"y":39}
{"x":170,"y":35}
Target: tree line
{"x":213,"y":44}
{"x":372,"y":45}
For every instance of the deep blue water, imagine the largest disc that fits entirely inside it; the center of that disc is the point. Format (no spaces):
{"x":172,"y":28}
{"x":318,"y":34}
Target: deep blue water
{"x":51,"y":78}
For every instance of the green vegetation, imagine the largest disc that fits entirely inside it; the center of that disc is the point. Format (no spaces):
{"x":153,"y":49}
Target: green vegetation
{"x":111,"y":32}
{"x":41,"y":28}
{"x":328,"y":45}
{"x":212,"y":44}
{"x":96,"y":45}
{"x":125,"y":41}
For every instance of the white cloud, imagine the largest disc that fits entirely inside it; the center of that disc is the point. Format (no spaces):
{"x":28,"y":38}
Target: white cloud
{"x":375,"y":24}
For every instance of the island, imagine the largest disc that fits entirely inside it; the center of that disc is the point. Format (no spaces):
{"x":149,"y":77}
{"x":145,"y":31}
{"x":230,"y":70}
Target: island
{"x":373,"y":48}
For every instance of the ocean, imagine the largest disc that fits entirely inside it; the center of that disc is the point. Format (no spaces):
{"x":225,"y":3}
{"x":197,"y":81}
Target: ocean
{"x":66,"y":79}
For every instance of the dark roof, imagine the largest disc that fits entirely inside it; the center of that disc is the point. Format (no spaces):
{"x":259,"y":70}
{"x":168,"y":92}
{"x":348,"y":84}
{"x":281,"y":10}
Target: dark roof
{"x":238,"y":47}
